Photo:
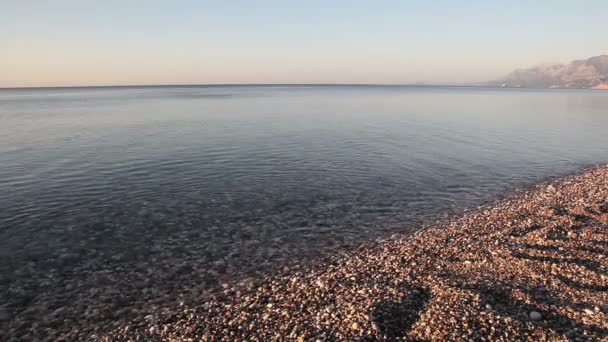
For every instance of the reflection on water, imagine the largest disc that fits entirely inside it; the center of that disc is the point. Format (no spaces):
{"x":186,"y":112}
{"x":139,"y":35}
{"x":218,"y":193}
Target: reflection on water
{"x":223,"y":180}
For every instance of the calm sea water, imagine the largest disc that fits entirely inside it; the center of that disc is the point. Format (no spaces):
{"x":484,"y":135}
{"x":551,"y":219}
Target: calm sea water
{"x":231,"y":178}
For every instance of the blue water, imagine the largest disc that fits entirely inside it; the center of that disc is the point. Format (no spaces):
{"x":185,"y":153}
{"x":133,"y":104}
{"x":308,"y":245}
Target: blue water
{"x":229,"y":179}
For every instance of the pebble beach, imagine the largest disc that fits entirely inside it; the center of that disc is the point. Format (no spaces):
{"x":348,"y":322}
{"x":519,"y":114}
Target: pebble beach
{"x":234,"y":171}
{"x":531,"y":266}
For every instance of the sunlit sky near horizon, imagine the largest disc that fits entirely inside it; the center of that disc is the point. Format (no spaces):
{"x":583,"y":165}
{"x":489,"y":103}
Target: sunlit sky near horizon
{"x":70,"y":43}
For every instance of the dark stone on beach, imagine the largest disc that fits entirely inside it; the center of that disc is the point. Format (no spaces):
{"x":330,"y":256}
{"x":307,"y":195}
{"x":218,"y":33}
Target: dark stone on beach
{"x":220,"y":266}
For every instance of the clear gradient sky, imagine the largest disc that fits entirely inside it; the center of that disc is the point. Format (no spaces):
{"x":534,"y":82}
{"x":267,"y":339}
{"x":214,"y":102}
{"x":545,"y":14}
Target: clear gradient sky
{"x":65,"y":43}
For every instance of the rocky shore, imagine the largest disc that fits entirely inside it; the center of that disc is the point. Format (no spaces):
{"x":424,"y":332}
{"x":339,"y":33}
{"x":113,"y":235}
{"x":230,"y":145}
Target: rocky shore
{"x":532,"y":266}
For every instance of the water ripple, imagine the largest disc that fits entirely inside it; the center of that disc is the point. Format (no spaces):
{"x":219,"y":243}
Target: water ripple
{"x":249,"y":175}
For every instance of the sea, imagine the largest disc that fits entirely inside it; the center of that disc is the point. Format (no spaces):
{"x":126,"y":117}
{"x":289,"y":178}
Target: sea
{"x":199,"y":184}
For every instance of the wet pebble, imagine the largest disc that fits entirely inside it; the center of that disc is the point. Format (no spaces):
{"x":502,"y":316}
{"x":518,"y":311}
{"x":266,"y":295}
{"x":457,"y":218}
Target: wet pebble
{"x":535,"y":315}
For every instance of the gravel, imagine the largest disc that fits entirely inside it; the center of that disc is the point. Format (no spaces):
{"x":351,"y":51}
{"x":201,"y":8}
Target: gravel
{"x":486,"y":275}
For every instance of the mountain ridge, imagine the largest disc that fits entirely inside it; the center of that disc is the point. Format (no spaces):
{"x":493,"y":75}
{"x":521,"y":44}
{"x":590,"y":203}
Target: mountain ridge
{"x":590,"y":73}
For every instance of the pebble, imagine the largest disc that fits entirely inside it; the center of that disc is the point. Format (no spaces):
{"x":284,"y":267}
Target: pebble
{"x":535,"y":315}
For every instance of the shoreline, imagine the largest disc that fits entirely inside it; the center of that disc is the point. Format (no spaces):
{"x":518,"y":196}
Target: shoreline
{"x":532,"y":265}
{"x":397,"y":286}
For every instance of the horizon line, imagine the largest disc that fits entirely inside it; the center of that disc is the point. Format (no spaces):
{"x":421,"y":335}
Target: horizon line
{"x":244,"y":85}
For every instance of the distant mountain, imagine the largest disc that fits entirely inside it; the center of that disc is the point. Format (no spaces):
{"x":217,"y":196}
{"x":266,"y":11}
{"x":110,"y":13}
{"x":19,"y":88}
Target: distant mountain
{"x":590,"y":73}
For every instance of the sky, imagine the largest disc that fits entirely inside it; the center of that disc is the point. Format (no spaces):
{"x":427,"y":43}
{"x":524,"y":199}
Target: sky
{"x":83,"y":43}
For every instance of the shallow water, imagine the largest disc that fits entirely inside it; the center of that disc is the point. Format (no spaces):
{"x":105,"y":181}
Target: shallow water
{"x":236,"y":176}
